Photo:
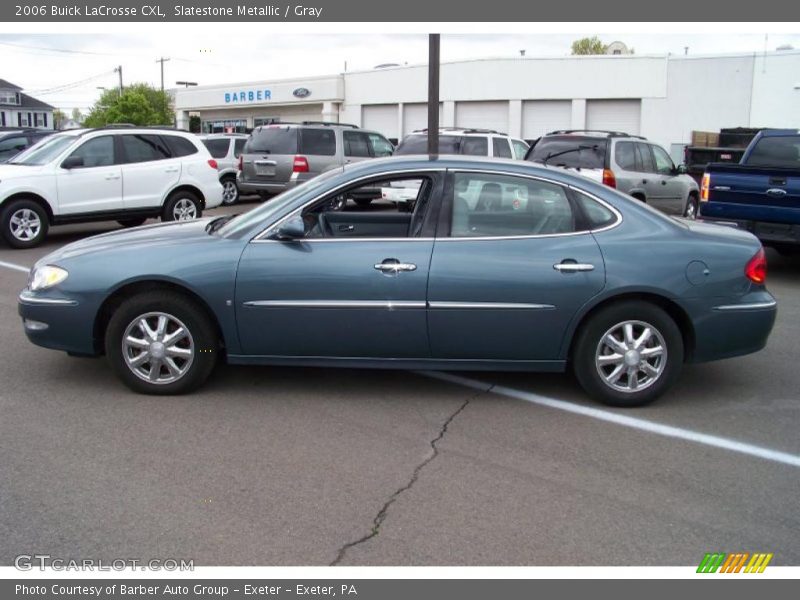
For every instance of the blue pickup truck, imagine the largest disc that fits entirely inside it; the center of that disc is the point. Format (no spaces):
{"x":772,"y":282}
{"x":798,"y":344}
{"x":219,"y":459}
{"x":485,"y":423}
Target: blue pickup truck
{"x":760,"y":194}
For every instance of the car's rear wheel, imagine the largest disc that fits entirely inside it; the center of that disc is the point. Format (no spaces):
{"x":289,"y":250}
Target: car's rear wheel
{"x":690,"y":212}
{"x":230,"y":191}
{"x":161,"y":343}
{"x":628,"y":354}
{"x":24,"y":223}
{"x":131,"y":222}
{"x":182,"y":206}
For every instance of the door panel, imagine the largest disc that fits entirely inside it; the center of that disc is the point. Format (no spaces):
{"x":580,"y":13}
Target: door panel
{"x":667,"y":188}
{"x":94,"y":187}
{"x":148,"y":171}
{"x":327,"y":298}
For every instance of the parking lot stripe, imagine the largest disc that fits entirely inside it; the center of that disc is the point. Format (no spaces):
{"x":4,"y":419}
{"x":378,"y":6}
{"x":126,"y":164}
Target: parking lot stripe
{"x":624,"y":420}
{"x":14,"y":267}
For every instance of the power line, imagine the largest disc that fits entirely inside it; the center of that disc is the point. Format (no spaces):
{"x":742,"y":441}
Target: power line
{"x":63,"y":87}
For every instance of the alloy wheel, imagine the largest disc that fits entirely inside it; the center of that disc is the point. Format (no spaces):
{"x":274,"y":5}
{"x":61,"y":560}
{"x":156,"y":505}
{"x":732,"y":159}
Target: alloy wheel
{"x":158,"y":348}
{"x":631,"y":356}
{"x":184,"y":210}
{"x":25,"y":224}
{"x":229,"y":191}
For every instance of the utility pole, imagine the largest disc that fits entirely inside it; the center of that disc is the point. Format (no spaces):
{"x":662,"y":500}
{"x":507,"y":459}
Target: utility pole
{"x":162,"y":60}
{"x":119,"y":70}
{"x":433,"y":93}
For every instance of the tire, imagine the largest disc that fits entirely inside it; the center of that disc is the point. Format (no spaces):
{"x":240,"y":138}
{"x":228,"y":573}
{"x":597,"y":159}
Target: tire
{"x":363,"y":202}
{"x":131,"y":222}
{"x":182,"y":206}
{"x":592,"y":372}
{"x":193,"y":356}
{"x":690,"y":211}
{"x":24,"y":223}
{"x":264,"y":196}
{"x":230,"y":193}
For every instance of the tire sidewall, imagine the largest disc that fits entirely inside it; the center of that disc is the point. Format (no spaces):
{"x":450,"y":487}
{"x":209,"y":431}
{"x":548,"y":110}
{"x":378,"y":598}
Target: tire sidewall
{"x":202,"y":331}
{"x":691,"y":201}
{"x":169,"y":205}
{"x":590,"y":336}
{"x":5,"y":221}
{"x":230,"y":179}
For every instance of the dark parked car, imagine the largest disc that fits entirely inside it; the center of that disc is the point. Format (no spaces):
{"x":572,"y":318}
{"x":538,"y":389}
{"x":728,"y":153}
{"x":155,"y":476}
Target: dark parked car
{"x":14,"y":141}
{"x":494,"y":265}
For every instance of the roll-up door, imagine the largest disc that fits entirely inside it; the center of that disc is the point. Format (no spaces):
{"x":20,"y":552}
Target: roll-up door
{"x":482,"y":115}
{"x":614,"y":115}
{"x":381,"y":118}
{"x":415,"y":116}
{"x":543,"y":116}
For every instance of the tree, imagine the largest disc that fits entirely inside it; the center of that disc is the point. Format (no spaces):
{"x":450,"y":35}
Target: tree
{"x":77,"y":116}
{"x":194,"y":124}
{"x":585,"y":46}
{"x":59,"y":116}
{"x":139,"y":104}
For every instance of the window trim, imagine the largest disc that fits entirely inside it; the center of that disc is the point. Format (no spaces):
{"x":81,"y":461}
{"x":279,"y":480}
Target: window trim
{"x":446,"y":209}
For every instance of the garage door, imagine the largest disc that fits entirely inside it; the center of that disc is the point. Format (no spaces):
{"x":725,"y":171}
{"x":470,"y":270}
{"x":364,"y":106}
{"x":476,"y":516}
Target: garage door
{"x":381,"y":118}
{"x":415,"y":116}
{"x":482,"y":115}
{"x":543,"y":116}
{"x":614,"y":115}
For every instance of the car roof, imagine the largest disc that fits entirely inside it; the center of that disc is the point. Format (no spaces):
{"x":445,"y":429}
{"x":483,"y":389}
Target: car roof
{"x":462,"y":131}
{"x":594,"y":133}
{"x":204,"y":136}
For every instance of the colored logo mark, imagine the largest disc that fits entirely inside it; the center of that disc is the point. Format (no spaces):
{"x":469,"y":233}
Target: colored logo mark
{"x":734,"y":563}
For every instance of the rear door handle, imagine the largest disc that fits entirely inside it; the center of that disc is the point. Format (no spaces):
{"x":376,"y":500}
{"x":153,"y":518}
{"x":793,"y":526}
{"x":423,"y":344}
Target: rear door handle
{"x":112,"y":176}
{"x":171,"y":170}
{"x":776,"y":192}
{"x":395,"y":267}
{"x":571,"y":267}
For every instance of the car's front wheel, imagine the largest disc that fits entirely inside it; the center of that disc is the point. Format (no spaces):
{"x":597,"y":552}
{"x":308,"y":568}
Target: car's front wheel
{"x":628,"y":354}
{"x":230,"y":191}
{"x":24,"y":223}
{"x":161,"y":343}
{"x":690,"y":212}
{"x":182,"y":206}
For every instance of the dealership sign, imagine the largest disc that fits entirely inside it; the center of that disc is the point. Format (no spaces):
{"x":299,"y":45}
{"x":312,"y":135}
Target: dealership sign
{"x":241,"y":96}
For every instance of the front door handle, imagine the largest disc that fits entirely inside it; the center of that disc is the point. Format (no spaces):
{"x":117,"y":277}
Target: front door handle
{"x":394,"y":266}
{"x":573,"y":267}
{"x":776,"y":192}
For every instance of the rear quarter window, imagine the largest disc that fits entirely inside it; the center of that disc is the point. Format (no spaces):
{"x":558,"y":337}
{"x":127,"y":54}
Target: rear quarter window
{"x":596,"y":215}
{"x":570,"y":151}
{"x":179,"y":146}
{"x":218,"y":147}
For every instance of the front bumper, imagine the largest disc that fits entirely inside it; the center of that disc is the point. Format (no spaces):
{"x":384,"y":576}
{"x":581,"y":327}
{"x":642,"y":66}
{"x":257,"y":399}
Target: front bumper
{"x":732,"y":328}
{"x":57,"y":322}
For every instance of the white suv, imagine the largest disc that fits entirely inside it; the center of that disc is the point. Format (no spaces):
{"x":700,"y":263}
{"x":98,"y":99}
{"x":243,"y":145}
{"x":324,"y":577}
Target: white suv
{"x":128,"y":174}
{"x":473,"y":142}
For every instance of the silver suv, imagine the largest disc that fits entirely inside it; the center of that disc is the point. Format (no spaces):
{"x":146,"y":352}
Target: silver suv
{"x":282,"y":155}
{"x":628,"y":163}
{"x":226,"y":148}
{"x":473,"y":142}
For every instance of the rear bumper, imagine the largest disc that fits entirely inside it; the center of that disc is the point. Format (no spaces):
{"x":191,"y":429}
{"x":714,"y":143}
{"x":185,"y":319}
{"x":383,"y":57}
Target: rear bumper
{"x":768,"y":233}
{"x":732,"y":328}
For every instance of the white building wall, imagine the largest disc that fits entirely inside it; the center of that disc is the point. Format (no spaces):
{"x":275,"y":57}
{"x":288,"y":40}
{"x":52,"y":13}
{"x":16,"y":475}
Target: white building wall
{"x":776,"y":90}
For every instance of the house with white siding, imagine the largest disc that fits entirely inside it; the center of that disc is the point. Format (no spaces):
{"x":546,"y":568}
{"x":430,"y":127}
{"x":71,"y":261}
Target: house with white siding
{"x":18,"y":109}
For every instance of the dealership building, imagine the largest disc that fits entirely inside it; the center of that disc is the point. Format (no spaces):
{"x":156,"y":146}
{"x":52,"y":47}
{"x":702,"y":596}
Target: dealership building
{"x":662,"y":98}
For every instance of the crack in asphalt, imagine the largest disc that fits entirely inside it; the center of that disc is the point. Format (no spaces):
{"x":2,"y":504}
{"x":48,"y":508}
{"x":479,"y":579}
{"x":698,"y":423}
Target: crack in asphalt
{"x":383,"y":513}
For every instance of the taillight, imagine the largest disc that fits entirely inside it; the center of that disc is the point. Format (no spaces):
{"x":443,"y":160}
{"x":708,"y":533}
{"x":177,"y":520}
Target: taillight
{"x":300,"y":164}
{"x":705,"y":184}
{"x":609,"y":179}
{"x":212,"y":163}
{"x":756,"y":269}
{"x":241,"y":163}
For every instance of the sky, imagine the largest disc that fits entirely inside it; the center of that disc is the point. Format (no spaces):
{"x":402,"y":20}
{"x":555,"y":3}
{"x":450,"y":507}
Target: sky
{"x":66,"y":70}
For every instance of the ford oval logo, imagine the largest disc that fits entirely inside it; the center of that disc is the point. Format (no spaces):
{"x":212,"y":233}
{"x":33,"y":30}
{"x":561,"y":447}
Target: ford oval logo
{"x":301,"y":93}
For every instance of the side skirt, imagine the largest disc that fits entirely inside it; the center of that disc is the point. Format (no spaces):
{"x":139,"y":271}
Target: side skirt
{"x":539,"y":366}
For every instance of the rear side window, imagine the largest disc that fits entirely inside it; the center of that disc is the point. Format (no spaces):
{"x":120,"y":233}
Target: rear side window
{"x":218,"y":148}
{"x":318,"y":142}
{"x":625,"y":156}
{"x":501,"y":148}
{"x":144,"y":148}
{"x":595,"y":213}
{"x":776,"y":151}
{"x":570,"y":151}
{"x":418,"y":144}
{"x":238,"y":146}
{"x":179,"y":146}
{"x":355,"y":144}
{"x":273,"y":140}
{"x":475,"y":146}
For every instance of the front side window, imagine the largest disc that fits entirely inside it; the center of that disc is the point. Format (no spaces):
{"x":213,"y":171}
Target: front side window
{"x":486,"y":205}
{"x":380,"y":145}
{"x":663,"y":161}
{"x":144,"y":148}
{"x":475,"y":146}
{"x":501,"y":147}
{"x":97,"y":152}
{"x":355,"y":144}
{"x":218,"y":148}
{"x":520,"y":149}
{"x":318,"y":142}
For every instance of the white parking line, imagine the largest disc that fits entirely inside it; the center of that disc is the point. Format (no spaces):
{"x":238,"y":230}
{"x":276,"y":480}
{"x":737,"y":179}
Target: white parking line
{"x":632,"y":422}
{"x":14,"y":267}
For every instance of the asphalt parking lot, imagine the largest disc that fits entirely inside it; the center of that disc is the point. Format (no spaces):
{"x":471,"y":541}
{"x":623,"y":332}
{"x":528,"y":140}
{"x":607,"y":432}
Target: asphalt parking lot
{"x":280,"y":466}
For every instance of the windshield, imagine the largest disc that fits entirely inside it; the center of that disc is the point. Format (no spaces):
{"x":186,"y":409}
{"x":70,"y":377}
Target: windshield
{"x":577,"y":152}
{"x":44,"y":151}
{"x":418,"y":144}
{"x":275,"y":205}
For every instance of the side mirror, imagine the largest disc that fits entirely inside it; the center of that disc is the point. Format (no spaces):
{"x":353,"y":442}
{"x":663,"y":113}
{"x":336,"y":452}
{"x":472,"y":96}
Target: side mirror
{"x":72,"y":162}
{"x":292,"y":229}
{"x":681,"y":170}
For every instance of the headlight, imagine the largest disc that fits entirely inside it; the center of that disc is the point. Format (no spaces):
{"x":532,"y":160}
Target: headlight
{"x":46,"y":277}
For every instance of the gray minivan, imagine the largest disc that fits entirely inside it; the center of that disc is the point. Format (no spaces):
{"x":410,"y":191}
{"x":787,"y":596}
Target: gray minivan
{"x":281,"y":155}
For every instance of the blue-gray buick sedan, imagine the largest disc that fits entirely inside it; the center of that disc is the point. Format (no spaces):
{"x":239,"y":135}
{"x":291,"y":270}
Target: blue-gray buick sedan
{"x":463,"y":264}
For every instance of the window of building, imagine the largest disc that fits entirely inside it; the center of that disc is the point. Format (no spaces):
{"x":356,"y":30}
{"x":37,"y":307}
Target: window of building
{"x":9,"y":98}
